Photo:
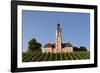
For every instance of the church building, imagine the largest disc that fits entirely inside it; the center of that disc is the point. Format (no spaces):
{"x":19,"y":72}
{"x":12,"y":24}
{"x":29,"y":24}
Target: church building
{"x":58,"y":47}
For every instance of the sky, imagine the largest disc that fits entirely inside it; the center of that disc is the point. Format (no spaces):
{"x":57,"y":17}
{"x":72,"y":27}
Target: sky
{"x":41,"y":25}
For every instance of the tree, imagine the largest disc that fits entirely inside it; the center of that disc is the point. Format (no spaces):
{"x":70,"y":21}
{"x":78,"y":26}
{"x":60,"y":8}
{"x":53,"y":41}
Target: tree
{"x":34,"y":45}
{"x":83,"y":48}
{"x":75,"y":48}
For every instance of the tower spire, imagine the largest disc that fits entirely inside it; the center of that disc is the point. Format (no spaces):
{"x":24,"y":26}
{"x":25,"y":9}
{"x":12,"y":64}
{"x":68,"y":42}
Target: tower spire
{"x":58,"y":38}
{"x":58,"y":24}
{"x":58,"y":21}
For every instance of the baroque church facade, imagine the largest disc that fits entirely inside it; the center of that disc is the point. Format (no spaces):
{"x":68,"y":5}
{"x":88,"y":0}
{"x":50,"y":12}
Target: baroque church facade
{"x":58,"y":47}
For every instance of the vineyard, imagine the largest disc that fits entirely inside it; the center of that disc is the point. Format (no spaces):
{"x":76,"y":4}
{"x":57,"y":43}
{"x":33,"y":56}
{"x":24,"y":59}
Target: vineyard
{"x":38,"y":56}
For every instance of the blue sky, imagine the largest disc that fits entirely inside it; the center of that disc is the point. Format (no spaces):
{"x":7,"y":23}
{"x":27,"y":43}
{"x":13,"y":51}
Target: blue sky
{"x":42,"y":25}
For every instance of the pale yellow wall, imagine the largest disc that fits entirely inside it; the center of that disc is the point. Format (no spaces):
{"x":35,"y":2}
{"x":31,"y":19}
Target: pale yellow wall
{"x":47,"y":50}
{"x":69,"y":49}
{"x":53,"y":50}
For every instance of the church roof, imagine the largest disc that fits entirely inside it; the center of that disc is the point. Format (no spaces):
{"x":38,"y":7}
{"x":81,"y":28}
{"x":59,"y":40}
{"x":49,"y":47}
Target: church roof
{"x":53,"y":45}
{"x":63,"y":45}
{"x":58,"y":25}
{"x":48,"y":45}
{"x":68,"y":45}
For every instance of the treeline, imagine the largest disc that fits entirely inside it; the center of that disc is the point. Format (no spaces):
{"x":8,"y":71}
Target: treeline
{"x":81,"y":48}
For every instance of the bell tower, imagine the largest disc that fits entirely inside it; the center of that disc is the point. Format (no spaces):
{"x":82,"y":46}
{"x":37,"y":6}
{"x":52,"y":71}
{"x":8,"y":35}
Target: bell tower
{"x":58,"y":39}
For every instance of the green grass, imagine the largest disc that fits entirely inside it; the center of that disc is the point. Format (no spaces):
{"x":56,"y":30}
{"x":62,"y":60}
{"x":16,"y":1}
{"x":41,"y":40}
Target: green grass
{"x":38,"y":56}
